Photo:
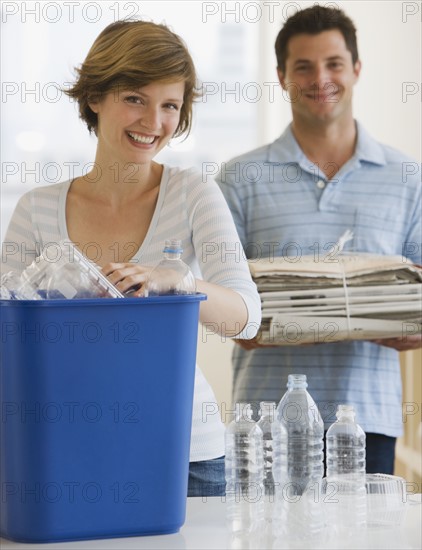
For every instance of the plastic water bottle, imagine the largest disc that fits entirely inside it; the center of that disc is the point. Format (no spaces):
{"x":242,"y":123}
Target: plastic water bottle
{"x":298,"y":413}
{"x":298,"y":466}
{"x":171,"y":275}
{"x":279,"y":438}
{"x":346,"y":470}
{"x":346,"y":444}
{"x":267,"y":417}
{"x":279,"y":472}
{"x":274,"y":442}
{"x":244,"y":465}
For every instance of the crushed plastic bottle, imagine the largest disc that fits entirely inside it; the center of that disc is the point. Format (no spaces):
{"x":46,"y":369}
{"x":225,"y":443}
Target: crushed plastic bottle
{"x":25,"y":285}
{"x":11,"y":288}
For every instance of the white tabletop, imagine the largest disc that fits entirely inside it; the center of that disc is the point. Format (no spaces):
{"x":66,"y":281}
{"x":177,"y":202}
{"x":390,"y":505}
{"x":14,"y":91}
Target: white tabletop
{"x":205,"y":527}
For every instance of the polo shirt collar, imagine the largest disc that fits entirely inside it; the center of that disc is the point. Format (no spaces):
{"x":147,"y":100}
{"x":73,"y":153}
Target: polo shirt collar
{"x":286,"y":149}
{"x":367,"y":149}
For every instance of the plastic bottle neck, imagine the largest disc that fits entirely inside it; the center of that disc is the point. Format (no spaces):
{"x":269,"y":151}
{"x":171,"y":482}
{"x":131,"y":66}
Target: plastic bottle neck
{"x":172,"y":255}
{"x":297,"y":382}
{"x":345,"y":413}
{"x":243,"y":412}
{"x":173,"y":249}
{"x":267,"y":408}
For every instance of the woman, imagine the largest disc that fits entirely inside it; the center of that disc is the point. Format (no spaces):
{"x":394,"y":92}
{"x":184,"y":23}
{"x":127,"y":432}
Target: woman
{"x":135,"y":90}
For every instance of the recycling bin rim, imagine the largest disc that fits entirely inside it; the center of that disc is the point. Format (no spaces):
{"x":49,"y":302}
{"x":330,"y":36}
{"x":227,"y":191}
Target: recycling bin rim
{"x":121,"y":302}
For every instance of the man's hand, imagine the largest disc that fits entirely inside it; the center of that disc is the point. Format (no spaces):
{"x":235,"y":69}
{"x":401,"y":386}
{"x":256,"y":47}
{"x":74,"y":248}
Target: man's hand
{"x":252,"y":344}
{"x":405,"y":343}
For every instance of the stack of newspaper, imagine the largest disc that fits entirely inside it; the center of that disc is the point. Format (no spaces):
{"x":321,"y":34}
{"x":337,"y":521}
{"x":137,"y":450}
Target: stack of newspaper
{"x":346,"y":297}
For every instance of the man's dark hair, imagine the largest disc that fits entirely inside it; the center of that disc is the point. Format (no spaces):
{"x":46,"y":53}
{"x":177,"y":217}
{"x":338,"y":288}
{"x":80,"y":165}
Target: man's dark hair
{"x":313,"y":21}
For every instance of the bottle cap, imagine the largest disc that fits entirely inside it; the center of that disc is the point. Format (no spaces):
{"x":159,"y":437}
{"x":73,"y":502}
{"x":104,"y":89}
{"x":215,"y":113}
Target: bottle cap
{"x":297,"y":381}
{"x":173,"y":246}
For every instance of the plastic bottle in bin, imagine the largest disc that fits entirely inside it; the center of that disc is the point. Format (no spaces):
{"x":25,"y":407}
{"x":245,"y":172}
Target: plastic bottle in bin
{"x":70,"y":281}
{"x":244,"y":465}
{"x":171,"y":275}
{"x":25,"y":285}
{"x":59,"y":272}
{"x":298,"y":413}
{"x":73,"y":275}
{"x":10,"y":284}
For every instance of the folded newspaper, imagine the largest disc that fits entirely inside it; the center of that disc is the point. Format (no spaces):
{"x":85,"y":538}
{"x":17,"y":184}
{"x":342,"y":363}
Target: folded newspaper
{"x":348,"y":297}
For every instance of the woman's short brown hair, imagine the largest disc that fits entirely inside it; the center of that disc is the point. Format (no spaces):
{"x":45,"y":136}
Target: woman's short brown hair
{"x":128,"y":55}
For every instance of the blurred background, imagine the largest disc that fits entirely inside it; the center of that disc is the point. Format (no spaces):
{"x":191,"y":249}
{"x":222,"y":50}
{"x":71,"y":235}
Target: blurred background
{"x":232,"y":43}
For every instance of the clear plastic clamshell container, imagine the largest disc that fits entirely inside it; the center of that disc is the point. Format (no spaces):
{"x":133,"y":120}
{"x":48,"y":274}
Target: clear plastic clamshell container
{"x":64,"y":274}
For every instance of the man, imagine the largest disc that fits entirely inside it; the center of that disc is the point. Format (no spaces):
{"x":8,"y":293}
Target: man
{"x":325,"y":175}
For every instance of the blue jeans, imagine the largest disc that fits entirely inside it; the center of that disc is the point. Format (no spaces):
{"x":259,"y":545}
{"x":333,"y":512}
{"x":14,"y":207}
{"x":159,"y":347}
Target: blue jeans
{"x":207,"y":478}
{"x":380,"y":454}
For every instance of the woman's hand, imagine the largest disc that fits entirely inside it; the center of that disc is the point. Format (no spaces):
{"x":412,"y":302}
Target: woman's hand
{"x":126,"y":276}
{"x":224,"y":312}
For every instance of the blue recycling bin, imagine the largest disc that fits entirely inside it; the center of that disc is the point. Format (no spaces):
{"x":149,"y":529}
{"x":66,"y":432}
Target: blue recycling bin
{"x":96,"y":410}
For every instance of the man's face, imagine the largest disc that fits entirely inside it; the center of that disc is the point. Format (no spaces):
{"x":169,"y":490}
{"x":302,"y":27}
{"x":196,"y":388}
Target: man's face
{"x":319,"y":77}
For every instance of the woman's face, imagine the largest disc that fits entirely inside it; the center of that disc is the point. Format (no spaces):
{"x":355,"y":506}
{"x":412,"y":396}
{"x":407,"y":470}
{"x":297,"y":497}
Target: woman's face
{"x":133,"y":126}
